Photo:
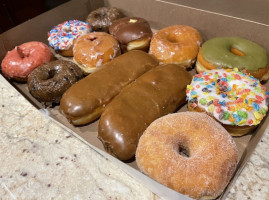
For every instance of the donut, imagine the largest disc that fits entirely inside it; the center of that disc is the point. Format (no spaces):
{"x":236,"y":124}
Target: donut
{"x":154,"y":94}
{"x":236,"y":100}
{"x":188,"y":152}
{"x":231,"y":52}
{"x":61,"y":37}
{"x":95,"y":49}
{"x":176,"y":44}
{"x":84,"y":101}
{"x":101,"y":18}
{"x":132,"y":33}
{"x":48,"y":82}
{"x":23,"y":59}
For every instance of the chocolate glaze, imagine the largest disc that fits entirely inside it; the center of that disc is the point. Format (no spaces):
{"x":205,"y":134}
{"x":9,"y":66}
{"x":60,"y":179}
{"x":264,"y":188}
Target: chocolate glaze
{"x":156,"y":93}
{"x":101,"y":18}
{"x":98,"y":88}
{"x":48,"y":82}
{"x":128,"y":29}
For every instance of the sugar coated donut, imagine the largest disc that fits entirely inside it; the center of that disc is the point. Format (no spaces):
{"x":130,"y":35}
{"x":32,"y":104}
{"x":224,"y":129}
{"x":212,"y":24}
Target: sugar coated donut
{"x":188,"y":152}
{"x":176,"y":44}
{"x":95,"y":49}
{"x":132,"y":33}
{"x":62,"y":36}
{"x":48,"y":82}
{"x":101,"y":18}
{"x":231,"y":52}
{"x":23,"y":59}
{"x":236,"y":100}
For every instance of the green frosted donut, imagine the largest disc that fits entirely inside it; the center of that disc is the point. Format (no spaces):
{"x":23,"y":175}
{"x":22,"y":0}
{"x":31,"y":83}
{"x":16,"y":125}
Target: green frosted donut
{"x":217,"y":51}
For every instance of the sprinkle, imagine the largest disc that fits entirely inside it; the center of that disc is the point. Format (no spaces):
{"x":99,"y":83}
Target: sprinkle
{"x":242,"y":114}
{"x":211,"y":108}
{"x":256,"y":106}
{"x":257,"y":115}
{"x":226,"y":115}
{"x":203,"y":101}
{"x":242,"y":122}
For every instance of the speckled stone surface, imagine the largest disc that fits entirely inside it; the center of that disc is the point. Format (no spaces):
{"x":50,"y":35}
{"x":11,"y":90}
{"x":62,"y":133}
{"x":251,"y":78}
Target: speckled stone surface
{"x":40,"y":160}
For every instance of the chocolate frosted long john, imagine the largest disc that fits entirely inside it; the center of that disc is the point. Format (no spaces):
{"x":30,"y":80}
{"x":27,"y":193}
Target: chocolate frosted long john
{"x":86,"y":100}
{"x":156,"y":93}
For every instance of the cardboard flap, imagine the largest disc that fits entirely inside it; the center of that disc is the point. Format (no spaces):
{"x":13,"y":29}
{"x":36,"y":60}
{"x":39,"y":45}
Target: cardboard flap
{"x":256,"y":11}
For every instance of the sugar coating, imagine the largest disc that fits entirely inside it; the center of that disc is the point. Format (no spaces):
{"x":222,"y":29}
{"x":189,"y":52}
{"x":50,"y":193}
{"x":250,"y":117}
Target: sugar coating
{"x":212,"y":154}
{"x":62,"y":36}
{"x":231,"y":96}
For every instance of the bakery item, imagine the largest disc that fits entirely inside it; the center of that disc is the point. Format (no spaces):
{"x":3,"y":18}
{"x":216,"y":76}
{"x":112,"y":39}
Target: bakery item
{"x":132,"y":33}
{"x":188,"y":152}
{"x":101,"y":18}
{"x":61,"y":37}
{"x":23,"y":59}
{"x":234,"y":52}
{"x":86,"y":100}
{"x":236,"y":100}
{"x":176,"y":44}
{"x":156,"y":93}
{"x":48,"y":82}
{"x":95,"y":49}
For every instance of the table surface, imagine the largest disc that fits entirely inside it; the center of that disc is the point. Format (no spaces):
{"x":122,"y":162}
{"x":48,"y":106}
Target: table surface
{"x":40,"y":160}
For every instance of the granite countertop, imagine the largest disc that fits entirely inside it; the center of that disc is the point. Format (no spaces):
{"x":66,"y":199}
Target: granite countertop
{"x":41,"y":160}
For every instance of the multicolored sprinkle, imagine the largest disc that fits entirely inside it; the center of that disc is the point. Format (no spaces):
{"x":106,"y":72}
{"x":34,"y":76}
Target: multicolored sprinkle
{"x":61,"y":37}
{"x":229,"y":95}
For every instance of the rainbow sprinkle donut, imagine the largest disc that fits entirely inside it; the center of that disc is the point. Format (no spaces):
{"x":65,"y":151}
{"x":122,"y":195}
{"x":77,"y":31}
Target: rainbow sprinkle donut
{"x":62,"y":36}
{"x":230,"y":96}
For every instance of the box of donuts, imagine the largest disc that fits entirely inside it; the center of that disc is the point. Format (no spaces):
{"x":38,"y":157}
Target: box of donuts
{"x":174,"y":94}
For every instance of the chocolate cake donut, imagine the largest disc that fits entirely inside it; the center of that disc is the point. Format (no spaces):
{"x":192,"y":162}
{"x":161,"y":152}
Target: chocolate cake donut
{"x":101,"y":18}
{"x":48,"y":82}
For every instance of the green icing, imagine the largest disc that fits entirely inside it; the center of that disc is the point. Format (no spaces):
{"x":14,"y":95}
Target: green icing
{"x":217,"y":51}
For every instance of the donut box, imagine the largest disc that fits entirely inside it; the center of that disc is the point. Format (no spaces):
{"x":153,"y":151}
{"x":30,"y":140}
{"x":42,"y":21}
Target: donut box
{"x":159,"y":14}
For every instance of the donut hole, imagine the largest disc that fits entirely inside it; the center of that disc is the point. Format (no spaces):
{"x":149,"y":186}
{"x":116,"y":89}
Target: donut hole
{"x":67,"y":29}
{"x":237,"y":51}
{"x":183,"y":151}
{"x":172,"y":39}
{"x":92,"y":38}
{"x":51,"y":74}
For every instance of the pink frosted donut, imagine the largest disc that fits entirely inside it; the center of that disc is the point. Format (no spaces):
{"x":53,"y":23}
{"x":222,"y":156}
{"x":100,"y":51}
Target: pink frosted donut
{"x":22,"y":60}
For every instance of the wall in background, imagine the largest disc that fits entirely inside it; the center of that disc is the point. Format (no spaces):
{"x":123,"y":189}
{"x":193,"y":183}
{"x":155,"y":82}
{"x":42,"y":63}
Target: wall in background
{"x":14,"y":12}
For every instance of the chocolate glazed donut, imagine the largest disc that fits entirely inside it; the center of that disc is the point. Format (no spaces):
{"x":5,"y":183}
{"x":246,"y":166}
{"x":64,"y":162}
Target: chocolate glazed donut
{"x":85,"y":101}
{"x":156,"y":93}
{"x":48,"y":82}
{"x":132,"y":33}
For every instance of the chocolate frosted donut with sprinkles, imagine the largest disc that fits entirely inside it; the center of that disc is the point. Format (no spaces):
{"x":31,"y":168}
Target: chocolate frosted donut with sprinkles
{"x":236,"y":100}
{"x":62,"y":36}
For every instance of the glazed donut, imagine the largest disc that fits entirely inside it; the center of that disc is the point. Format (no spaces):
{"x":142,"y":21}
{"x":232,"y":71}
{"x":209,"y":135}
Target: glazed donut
{"x":132,"y":33}
{"x":176,"y":44}
{"x":101,"y":18}
{"x":236,"y":100}
{"x":62,"y":36}
{"x":188,"y":152}
{"x":95,"y":49}
{"x":21,"y":61}
{"x":48,"y":82}
{"x":231,"y":52}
